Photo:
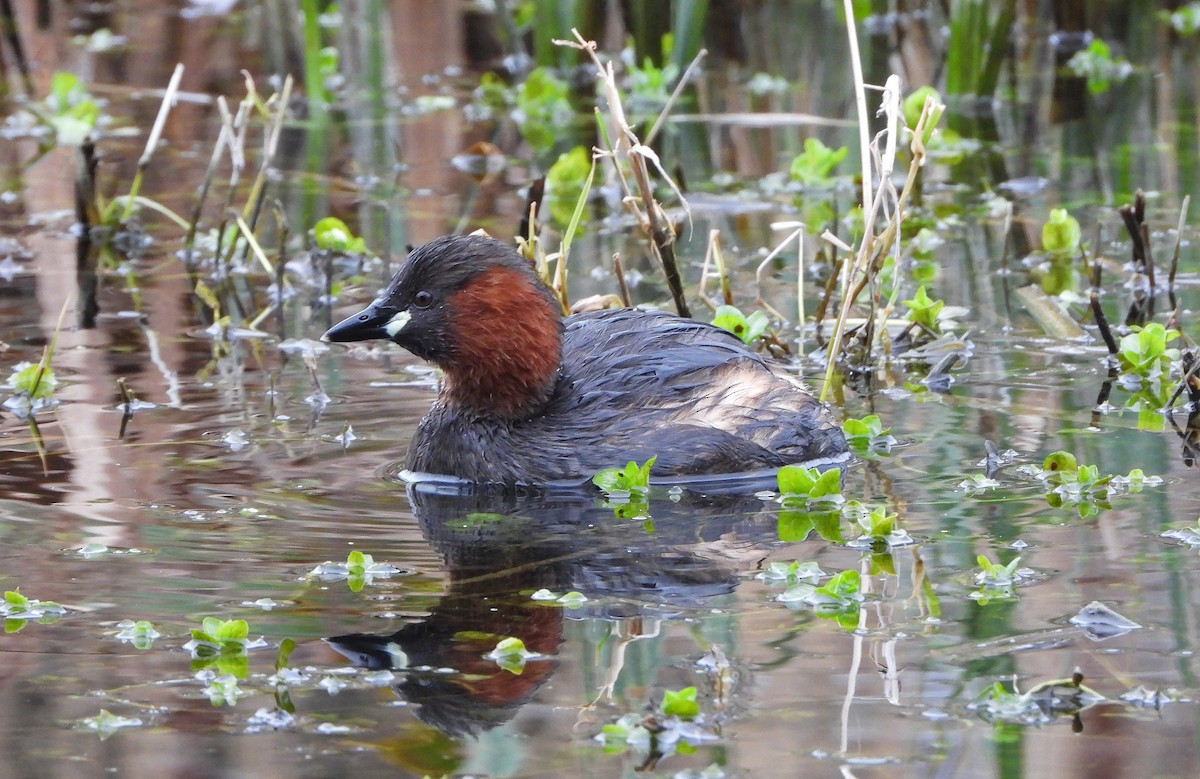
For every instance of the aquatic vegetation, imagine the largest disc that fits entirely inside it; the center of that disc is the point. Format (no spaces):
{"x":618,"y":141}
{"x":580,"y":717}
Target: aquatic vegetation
{"x":977,"y":45}
{"x":141,"y":634}
{"x":878,"y":526}
{"x":106,"y":723}
{"x":813,"y":167}
{"x":631,"y":480}
{"x":358,"y":571}
{"x":1185,"y":20}
{"x":32,"y":385}
{"x":1144,"y":352}
{"x":332,"y":235}
{"x":68,"y":110}
{"x":1070,"y":483}
{"x":1061,"y":234}
{"x":838,"y":600}
{"x":868,"y":435}
{"x":998,"y":581}
{"x":791,"y":573}
{"x":799,"y":485}
{"x":567,"y":181}
{"x":1188,"y":534}
{"x":748,"y":328}
{"x":1099,"y":66}
{"x":680,"y":703}
{"x":511,"y":655}
{"x":17,"y":610}
{"x":1040,"y":705}
{"x":923,"y":311}
{"x":541,"y":109}
{"x":570,"y":600}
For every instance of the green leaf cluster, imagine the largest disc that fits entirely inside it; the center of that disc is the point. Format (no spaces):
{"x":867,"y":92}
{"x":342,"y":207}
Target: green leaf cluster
{"x":72,"y":111}
{"x":542,"y":109}
{"x":1144,"y":351}
{"x":1097,"y":64}
{"x":1061,"y":234}
{"x":814,"y":166}
{"x":798,"y":484}
{"x":332,"y":235}
{"x":868,"y":435}
{"x":633,"y":479}
{"x":924,"y":311}
{"x":747,"y":328}
{"x":680,"y":703}
{"x":30,"y":380}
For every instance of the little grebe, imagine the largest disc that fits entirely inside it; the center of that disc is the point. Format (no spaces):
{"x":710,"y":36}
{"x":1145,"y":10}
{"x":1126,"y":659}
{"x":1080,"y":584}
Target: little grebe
{"x":532,"y":398}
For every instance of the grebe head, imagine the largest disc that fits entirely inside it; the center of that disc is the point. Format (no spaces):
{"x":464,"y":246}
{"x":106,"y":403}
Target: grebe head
{"x":474,"y":307}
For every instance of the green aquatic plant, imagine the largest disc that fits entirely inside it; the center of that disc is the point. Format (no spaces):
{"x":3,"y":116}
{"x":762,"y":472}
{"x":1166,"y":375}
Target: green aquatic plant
{"x":877,"y":523}
{"x":141,"y":634}
{"x":838,"y":599}
{"x":924,"y":310}
{"x":1070,"y":483}
{"x":1041,"y":705}
{"x":649,"y":85}
{"x":106,"y":723}
{"x":359,"y":570}
{"x":221,"y":646}
{"x":542,"y":109}
{"x":1144,"y":352}
{"x":1185,"y":20}
{"x":748,"y":328}
{"x":977,"y":45}
{"x":880,"y":530}
{"x":814,"y":166}
{"x":914,"y":104}
{"x":68,"y":109}
{"x":32,"y":386}
{"x":1061,"y":234}
{"x":680,"y":703}
{"x":332,"y":235}
{"x":997,"y":581}
{"x":511,"y":655}
{"x":221,"y":634}
{"x":868,"y":435}
{"x":17,"y":610}
{"x":633,"y":479}
{"x":791,"y":573}
{"x":1099,"y":66}
{"x":799,"y":485}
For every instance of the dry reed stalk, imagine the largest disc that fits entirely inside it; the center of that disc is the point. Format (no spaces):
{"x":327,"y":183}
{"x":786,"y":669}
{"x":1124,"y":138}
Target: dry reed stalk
{"x":626,"y":147}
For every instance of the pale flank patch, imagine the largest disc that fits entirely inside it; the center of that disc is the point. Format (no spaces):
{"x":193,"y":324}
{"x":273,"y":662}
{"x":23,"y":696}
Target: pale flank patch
{"x":736,"y":396}
{"x":397,"y":323}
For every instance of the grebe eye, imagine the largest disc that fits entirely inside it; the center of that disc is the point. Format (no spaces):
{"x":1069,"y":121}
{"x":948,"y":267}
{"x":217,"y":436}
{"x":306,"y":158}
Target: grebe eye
{"x":423,"y":299}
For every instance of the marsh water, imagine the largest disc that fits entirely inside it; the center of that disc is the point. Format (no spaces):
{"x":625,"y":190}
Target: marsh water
{"x":255,"y":454}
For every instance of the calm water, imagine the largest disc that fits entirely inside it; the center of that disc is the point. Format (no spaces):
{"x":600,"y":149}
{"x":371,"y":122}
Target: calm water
{"x":250,"y":469}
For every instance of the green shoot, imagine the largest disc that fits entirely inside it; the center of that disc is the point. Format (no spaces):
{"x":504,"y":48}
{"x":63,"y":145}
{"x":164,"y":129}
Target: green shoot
{"x":924,"y":311}
{"x":813,"y":167}
{"x":680,"y":703}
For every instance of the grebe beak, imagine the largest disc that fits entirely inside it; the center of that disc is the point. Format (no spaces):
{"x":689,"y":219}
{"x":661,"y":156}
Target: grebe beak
{"x":374,"y":321}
